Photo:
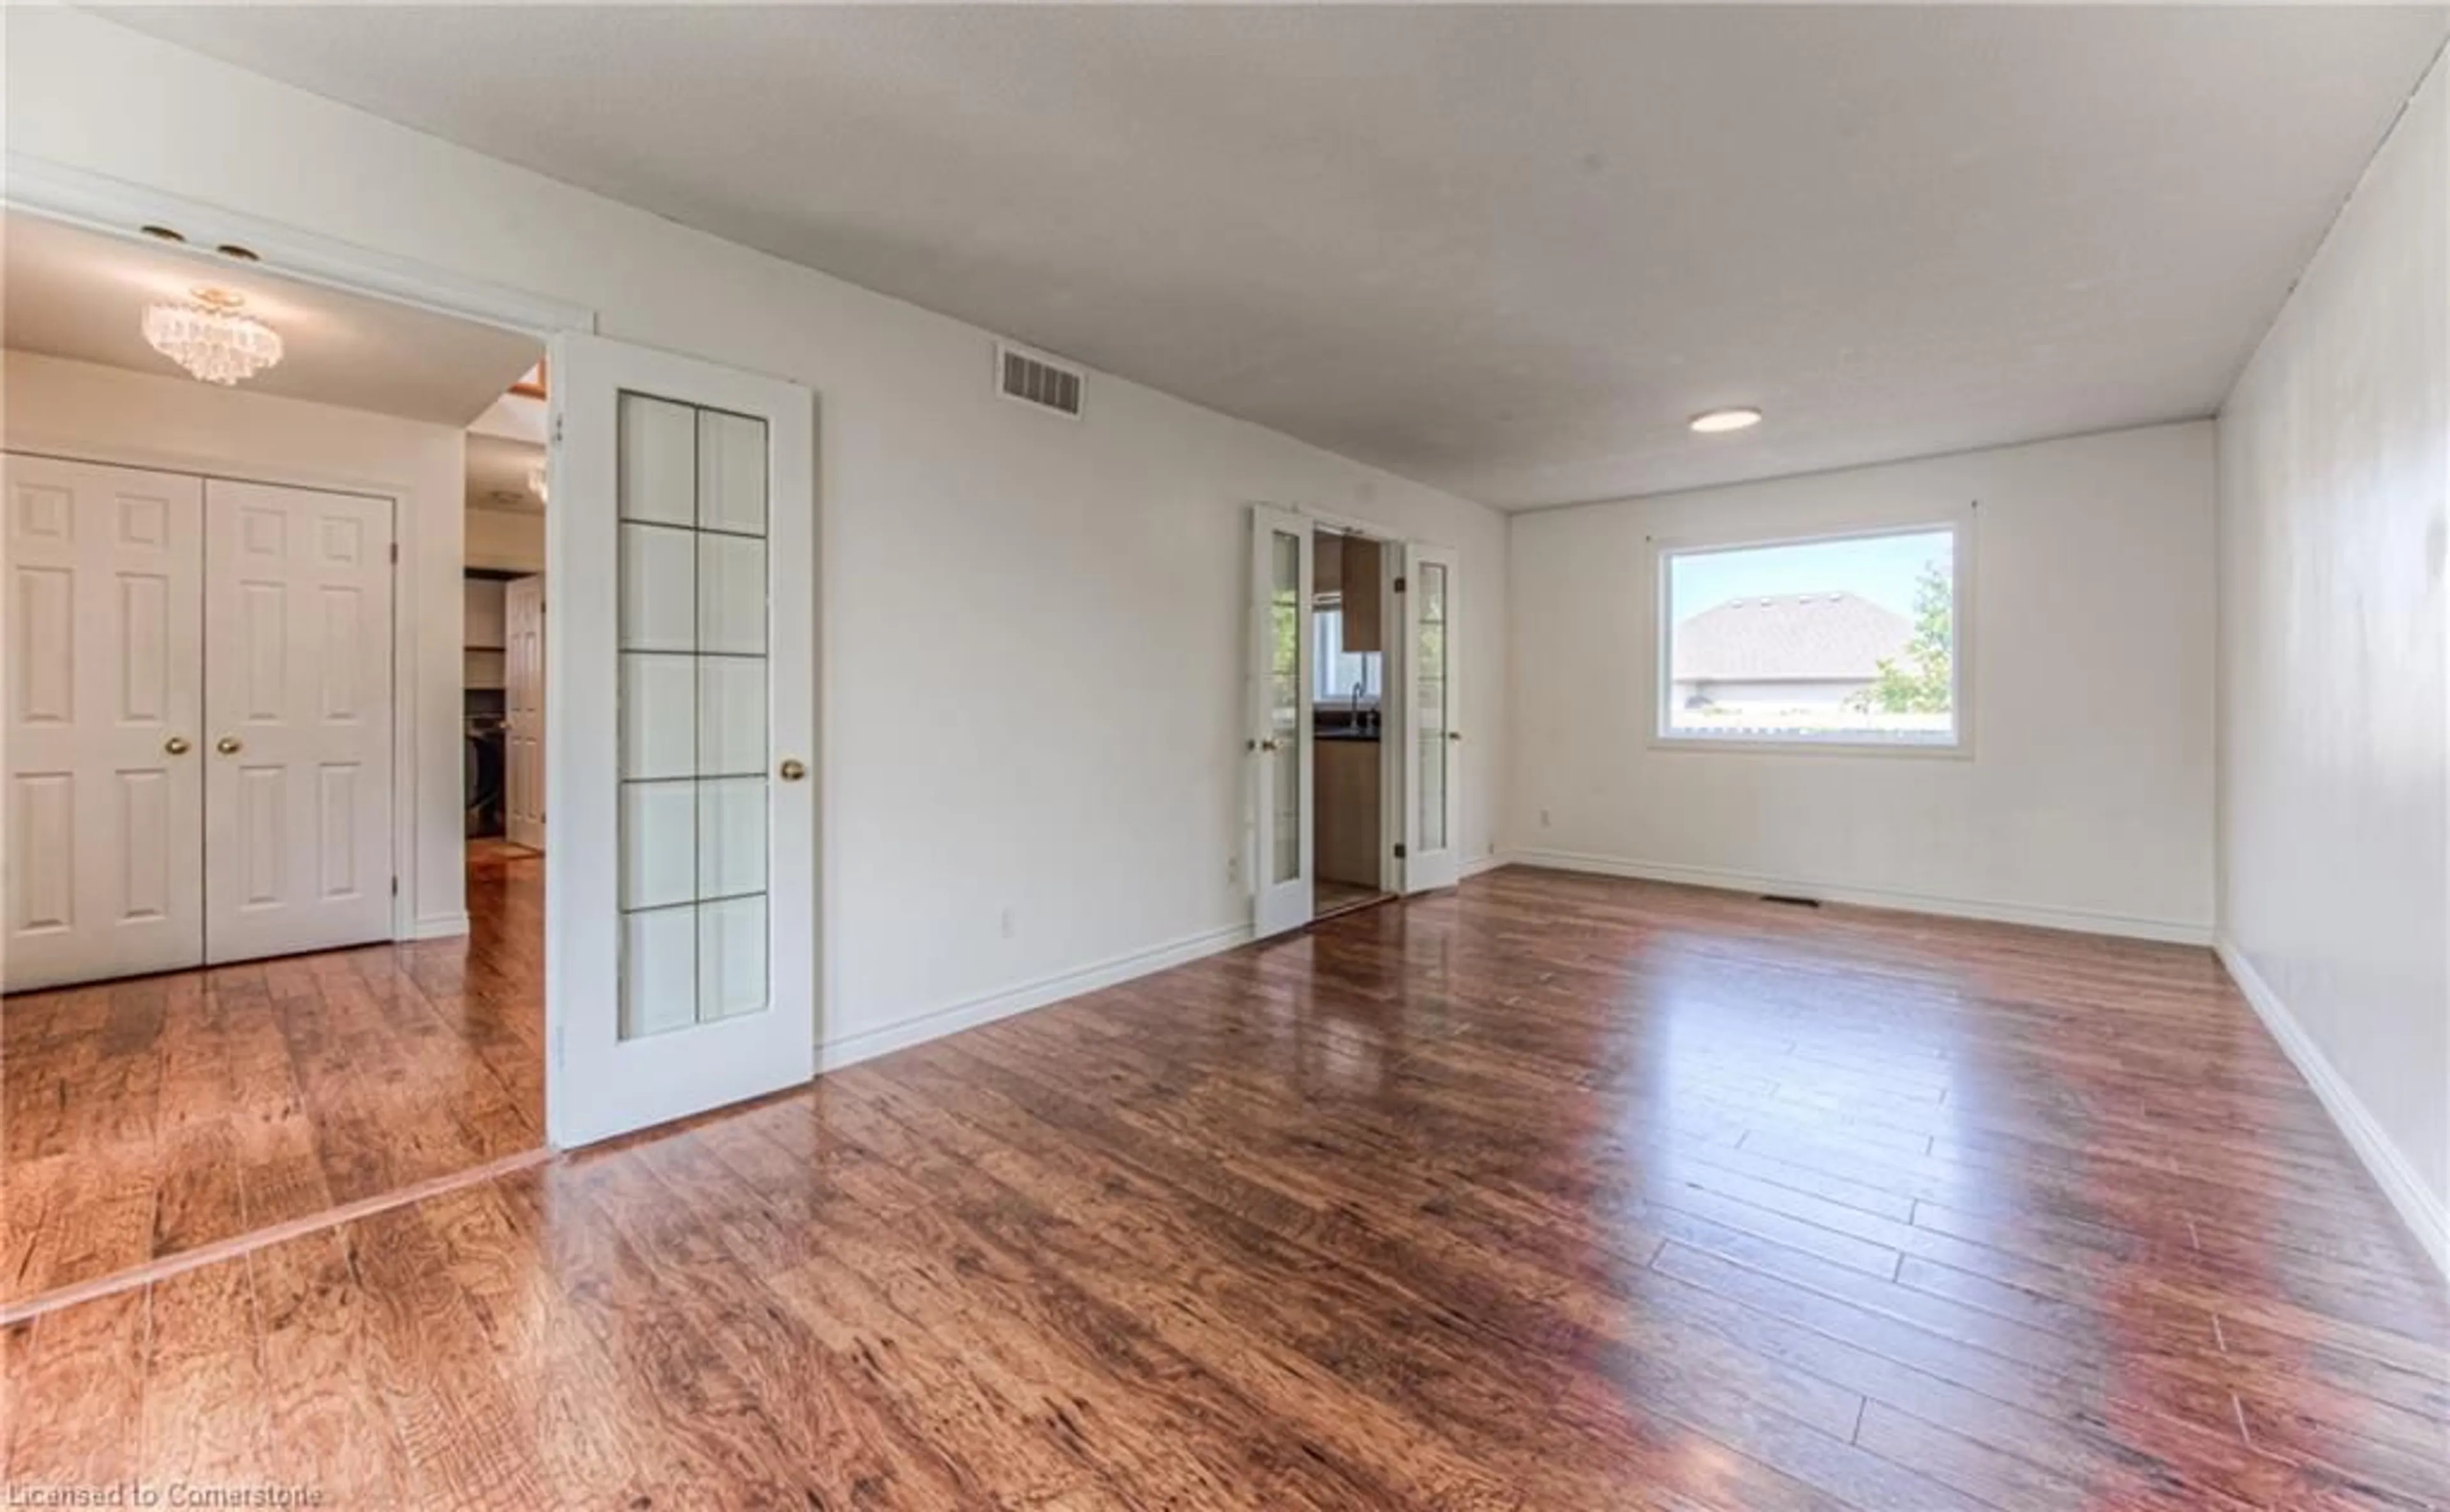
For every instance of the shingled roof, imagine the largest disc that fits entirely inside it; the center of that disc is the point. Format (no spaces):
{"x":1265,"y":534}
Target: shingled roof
{"x":1789,"y":637}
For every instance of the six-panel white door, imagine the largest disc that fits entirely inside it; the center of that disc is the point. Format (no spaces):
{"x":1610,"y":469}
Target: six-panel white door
{"x":298,"y":711}
{"x":523,"y":699}
{"x":103,"y":876}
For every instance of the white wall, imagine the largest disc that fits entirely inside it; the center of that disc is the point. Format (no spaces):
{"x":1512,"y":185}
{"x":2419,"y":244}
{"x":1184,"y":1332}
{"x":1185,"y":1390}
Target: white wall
{"x":506,"y":540}
{"x":1033,"y":626}
{"x":2335,"y":791}
{"x":2087,"y":801}
{"x":103,"y":414}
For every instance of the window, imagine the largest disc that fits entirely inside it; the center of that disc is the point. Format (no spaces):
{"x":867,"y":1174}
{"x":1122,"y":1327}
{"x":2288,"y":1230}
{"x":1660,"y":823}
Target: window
{"x":1339,"y":670}
{"x":1843,"y":641}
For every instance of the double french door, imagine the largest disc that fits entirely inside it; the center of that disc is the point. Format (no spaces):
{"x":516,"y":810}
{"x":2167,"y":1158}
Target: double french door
{"x":1420,"y":707}
{"x":199,"y":721}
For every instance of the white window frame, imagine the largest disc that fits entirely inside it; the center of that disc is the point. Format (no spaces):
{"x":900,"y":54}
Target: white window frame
{"x":1328,"y":697}
{"x":1665,"y":737}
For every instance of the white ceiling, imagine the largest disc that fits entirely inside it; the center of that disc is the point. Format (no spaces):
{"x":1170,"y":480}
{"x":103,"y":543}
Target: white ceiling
{"x":497,"y":472}
{"x":65,"y":292}
{"x":1507,"y":251}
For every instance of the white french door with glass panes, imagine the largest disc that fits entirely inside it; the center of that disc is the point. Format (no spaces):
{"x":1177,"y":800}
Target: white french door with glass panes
{"x":1279,"y":744}
{"x":682,"y":901}
{"x":1432,"y":787}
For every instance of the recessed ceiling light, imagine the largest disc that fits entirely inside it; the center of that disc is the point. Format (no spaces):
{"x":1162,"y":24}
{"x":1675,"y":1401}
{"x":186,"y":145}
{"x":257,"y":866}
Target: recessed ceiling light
{"x":1713,"y":422}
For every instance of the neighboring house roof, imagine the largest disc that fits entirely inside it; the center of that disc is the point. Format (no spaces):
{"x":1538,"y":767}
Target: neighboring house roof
{"x":1789,"y":637}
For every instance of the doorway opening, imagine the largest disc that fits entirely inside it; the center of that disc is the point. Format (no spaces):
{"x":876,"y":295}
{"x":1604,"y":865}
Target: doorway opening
{"x":502,"y":683}
{"x":256,"y":980}
{"x":1353,"y":794}
{"x":1353,"y":860}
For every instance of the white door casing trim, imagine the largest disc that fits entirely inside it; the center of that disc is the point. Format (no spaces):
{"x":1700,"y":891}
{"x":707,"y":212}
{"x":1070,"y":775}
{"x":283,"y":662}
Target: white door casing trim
{"x":117,"y":208}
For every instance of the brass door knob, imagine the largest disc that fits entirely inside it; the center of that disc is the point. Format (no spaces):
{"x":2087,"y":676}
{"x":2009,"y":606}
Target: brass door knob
{"x":228,"y":746}
{"x":1455,"y":734}
{"x":793,"y":769}
{"x":176,"y":746}
{"x":1269,"y":744}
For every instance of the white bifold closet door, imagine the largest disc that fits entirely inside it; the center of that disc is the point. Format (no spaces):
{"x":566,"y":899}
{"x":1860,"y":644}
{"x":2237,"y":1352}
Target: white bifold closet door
{"x":105,"y":807}
{"x":298,"y":701}
{"x":198,"y":760}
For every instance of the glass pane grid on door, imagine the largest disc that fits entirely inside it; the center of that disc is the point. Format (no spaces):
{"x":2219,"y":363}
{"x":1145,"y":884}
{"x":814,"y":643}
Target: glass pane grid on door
{"x":1430,"y":656}
{"x":1285,"y":611}
{"x":693,"y":715}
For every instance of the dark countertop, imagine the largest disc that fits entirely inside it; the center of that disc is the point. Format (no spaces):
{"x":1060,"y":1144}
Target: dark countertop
{"x":1369,"y":735}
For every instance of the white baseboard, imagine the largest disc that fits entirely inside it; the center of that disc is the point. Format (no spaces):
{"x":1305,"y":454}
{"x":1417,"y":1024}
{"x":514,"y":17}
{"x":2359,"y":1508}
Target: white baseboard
{"x":2080,"y":920}
{"x":851,"y":1049}
{"x":441,"y":926}
{"x":868,"y":1044}
{"x":2418,"y":1207}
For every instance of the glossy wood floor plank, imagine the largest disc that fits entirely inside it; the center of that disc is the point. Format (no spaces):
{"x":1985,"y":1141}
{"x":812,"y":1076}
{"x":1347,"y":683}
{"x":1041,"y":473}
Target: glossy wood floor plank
{"x":151,"y":1117}
{"x":1553,"y":1192}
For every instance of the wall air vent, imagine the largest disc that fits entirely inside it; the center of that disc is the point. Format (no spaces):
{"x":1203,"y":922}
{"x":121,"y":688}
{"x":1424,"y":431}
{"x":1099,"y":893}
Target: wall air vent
{"x":1030,"y":377}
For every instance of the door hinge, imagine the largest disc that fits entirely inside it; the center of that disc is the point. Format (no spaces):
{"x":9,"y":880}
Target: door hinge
{"x":1399,"y":850}
{"x":1399,"y":585}
{"x":395,"y":886}
{"x":395,"y":554}
{"x":556,"y":430}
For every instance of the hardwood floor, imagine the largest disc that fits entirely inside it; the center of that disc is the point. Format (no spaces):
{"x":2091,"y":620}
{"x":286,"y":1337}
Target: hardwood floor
{"x":1554,"y":1192}
{"x":1329,"y":898}
{"x":150,"y":1117}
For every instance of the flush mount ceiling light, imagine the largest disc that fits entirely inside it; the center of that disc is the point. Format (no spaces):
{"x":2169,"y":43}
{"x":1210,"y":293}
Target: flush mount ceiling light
{"x":1718,"y":422}
{"x":211,"y":339}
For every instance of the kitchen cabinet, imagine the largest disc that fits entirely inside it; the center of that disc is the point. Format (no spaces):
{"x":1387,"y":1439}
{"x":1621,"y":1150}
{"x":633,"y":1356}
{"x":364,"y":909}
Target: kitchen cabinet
{"x":1364,"y":577}
{"x":1347,"y":834}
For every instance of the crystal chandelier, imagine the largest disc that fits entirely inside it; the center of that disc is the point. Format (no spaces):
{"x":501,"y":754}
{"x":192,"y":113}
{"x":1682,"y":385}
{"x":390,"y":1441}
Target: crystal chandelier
{"x":210,"y":339}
